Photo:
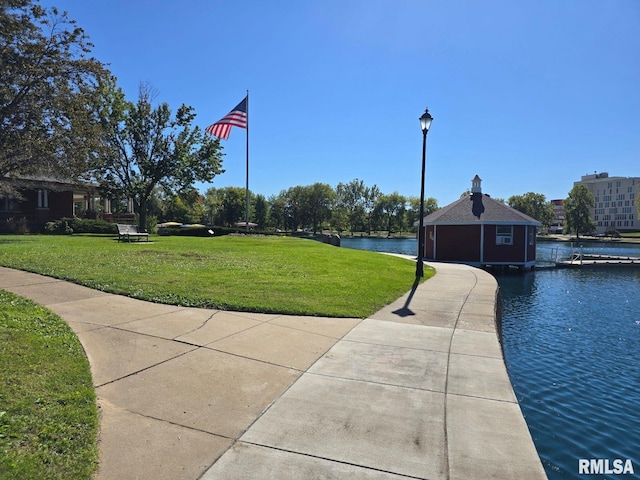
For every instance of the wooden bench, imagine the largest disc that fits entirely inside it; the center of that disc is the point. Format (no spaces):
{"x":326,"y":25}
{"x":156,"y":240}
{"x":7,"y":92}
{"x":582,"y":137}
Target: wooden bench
{"x":129,"y":231}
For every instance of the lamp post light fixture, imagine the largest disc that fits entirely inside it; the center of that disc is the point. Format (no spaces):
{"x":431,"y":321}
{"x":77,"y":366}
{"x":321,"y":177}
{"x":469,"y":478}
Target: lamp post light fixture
{"x":425,"y":123}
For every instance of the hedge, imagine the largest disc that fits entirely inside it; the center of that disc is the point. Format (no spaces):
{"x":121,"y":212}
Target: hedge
{"x":80,"y":225}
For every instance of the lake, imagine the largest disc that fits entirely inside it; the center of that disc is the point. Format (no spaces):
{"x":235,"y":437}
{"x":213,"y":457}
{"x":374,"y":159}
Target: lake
{"x":571,"y":341}
{"x":405,"y":246}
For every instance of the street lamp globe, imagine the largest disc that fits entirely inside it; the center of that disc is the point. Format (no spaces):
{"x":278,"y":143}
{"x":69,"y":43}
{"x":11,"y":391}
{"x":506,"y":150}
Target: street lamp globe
{"x":425,"y":120}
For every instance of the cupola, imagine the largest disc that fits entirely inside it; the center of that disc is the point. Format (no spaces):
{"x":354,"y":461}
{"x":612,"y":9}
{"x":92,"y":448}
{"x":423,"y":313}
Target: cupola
{"x":476,"y":185}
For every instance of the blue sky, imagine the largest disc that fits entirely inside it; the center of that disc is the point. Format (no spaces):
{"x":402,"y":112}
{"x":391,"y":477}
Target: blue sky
{"x":528,"y":95}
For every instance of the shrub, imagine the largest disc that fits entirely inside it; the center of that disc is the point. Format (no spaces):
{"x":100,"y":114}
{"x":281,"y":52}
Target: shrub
{"x":191,"y":231}
{"x":59,"y":227}
{"x":86,"y":225}
{"x":80,"y":225}
{"x":204,"y":231}
{"x":16,"y":226}
{"x":152,"y":224}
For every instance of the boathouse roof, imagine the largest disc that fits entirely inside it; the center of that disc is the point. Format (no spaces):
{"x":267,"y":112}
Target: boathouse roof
{"x":478,"y":208}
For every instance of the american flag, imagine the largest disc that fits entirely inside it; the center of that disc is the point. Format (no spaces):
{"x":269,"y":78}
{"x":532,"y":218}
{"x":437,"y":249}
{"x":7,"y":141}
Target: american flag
{"x":235,"y":118}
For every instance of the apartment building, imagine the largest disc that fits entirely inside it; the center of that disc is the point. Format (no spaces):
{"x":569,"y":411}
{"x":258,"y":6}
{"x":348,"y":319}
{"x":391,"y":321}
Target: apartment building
{"x":557,"y":226}
{"x":615,"y":201}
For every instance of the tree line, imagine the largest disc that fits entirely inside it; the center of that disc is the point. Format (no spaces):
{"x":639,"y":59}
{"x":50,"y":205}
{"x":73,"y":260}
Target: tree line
{"x":349,"y":207}
{"x":63,"y":116}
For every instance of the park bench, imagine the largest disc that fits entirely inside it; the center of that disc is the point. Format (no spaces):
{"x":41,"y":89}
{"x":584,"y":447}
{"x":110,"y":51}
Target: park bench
{"x":129,"y":231}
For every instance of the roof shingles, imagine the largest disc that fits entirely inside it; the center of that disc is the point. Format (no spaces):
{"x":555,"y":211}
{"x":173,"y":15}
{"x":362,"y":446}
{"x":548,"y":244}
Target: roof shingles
{"x":478,"y":208}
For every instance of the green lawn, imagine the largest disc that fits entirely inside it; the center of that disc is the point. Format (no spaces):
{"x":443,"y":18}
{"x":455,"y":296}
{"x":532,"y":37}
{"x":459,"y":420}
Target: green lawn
{"x":259,"y":274}
{"x":48,"y":413}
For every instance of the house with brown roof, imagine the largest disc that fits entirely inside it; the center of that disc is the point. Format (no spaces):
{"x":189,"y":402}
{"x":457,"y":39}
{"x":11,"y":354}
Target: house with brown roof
{"x":480,"y":231}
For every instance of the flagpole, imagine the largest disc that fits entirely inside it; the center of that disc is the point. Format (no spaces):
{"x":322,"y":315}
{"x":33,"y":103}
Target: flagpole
{"x":247,"y":184}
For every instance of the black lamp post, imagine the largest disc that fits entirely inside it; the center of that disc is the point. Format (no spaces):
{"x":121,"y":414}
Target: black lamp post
{"x":425,"y":123}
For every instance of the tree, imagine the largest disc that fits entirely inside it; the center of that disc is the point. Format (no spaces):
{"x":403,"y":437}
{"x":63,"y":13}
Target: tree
{"x":226,"y":206}
{"x":319,"y":201}
{"x":186,"y":207}
{"x":577,"y":210}
{"x":234,"y":204}
{"x":213,"y":206}
{"x":350,"y":198}
{"x":339,"y":220}
{"x":277,"y":207}
{"x":261,"y":210}
{"x":147,"y":146}
{"x":391,"y":208}
{"x":293,"y":207}
{"x":534,"y":205}
{"x":413,"y":213}
{"x":371,"y":197}
{"x":48,"y":87}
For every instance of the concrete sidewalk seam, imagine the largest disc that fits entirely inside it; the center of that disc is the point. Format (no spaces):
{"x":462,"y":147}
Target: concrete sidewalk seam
{"x":147,"y":368}
{"x":169,"y":422}
{"x":385,"y":384}
{"x":331,"y":460}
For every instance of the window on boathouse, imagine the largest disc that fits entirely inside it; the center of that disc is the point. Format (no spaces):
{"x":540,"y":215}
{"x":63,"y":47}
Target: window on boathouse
{"x":504,"y":234}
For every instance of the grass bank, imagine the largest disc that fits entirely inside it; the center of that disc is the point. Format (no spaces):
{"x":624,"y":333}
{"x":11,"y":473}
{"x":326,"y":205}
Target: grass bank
{"x":48,"y":414}
{"x":259,"y":274}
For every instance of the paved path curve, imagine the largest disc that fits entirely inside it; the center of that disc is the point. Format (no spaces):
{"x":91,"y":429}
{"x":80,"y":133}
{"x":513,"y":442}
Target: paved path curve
{"x":418,"y":390}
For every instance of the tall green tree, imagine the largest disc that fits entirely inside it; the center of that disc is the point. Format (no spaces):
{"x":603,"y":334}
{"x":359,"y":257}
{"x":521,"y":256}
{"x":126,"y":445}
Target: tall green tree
{"x":577,"y":210}
{"x":212,"y":205}
{"x":48,"y":87}
{"x":226,"y":206}
{"x":350,"y":198}
{"x":277,"y":208}
{"x":186,"y":207}
{"x":320,"y":199}
{"x":294,"y":207}
{"x":534,"y":205}
{"x":260,"y":210}
{"x":391,"y":209}
{"x":339,"y":220}
{"x":371,"y":196}
{"x":147,"y":146}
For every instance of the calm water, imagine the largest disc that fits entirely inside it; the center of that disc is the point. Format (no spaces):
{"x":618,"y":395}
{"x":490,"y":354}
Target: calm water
{"x":406,"y":246}
{"x":572,"y":345}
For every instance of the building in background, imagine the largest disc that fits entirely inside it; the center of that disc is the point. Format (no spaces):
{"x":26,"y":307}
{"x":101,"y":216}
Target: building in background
{"x":615,"y":201}
{"x":44,"y":199}
{"x":557,"y":225}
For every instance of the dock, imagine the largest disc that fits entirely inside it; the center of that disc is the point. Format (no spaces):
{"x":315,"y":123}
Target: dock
{"x":595,"y":260}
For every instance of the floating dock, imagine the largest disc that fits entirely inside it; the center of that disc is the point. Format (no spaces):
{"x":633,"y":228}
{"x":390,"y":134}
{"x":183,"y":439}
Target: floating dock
{"x":593,"y":260}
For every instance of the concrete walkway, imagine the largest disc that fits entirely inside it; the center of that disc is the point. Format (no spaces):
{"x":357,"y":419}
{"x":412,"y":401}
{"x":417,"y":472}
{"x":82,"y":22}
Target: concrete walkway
{"x":418,"y":390}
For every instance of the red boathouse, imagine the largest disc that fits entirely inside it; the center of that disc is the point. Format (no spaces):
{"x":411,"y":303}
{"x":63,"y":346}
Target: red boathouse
{"x":480,"y":231}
